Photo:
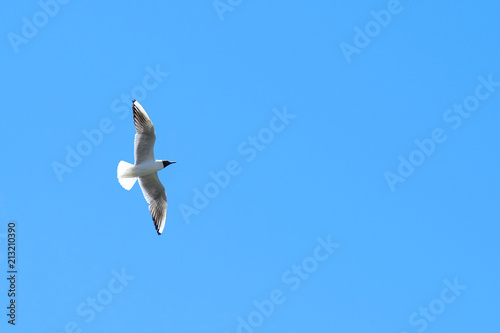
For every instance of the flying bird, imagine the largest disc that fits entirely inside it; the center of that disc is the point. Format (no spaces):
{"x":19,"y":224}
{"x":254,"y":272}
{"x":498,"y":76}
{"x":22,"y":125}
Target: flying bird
{"x":146,"y":167}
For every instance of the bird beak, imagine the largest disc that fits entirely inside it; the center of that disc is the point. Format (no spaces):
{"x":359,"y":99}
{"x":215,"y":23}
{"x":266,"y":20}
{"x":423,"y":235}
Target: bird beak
{"x":173,"y":162}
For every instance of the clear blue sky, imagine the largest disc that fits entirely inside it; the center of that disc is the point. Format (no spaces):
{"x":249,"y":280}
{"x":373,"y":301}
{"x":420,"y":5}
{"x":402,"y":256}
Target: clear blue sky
{"x":354,"y":147}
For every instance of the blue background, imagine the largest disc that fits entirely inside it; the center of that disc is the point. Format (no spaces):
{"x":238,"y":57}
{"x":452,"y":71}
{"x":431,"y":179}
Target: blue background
{"x":323,"y":175}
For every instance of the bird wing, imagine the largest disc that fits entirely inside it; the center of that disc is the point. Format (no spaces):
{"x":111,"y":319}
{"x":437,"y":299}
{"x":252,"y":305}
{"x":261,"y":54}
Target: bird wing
{"x":145,"y":137}
{"x":154,"y":193}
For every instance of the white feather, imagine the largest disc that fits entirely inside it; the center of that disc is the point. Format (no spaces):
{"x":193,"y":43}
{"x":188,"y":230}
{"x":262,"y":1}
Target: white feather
{"x":124,"y":173}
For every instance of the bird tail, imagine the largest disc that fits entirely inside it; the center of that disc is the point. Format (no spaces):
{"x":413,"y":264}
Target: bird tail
{"x":123,"y":172}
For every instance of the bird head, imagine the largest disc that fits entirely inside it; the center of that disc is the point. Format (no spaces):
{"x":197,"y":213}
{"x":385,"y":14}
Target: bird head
{"x":167,"y":163}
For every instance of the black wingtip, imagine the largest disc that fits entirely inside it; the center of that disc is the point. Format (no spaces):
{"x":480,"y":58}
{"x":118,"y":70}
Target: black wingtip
{"x":133,"y":101}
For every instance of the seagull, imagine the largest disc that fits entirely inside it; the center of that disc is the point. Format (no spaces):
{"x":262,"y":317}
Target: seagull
{"x":146,"y":167}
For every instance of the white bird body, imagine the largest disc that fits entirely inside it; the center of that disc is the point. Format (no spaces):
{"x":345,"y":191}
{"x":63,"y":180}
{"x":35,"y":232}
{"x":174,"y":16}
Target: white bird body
{"x":142,"y":169}
{"x":145,"y":168}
